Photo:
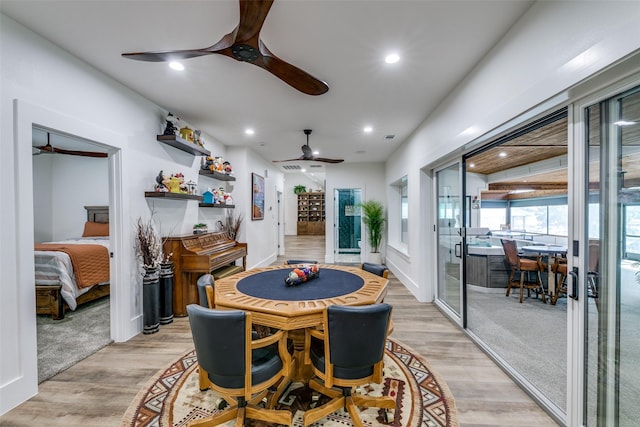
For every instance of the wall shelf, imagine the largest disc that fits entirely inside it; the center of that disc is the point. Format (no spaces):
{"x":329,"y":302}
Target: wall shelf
{"x":175,"y":196}
{"x":216,"y":175}
{"x":216,"y":205}
{"x":183,"y":145}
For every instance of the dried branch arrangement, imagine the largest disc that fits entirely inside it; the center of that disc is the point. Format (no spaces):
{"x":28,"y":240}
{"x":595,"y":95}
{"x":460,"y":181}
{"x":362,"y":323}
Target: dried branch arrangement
{"x":148,"y":244}
{"x":232,"y":223}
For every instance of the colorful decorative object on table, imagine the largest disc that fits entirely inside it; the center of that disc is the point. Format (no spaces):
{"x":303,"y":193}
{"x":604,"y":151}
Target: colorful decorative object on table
{"x":298,"y":276}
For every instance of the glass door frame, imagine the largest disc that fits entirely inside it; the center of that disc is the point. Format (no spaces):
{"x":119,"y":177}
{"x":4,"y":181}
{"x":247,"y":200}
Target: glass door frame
{"x":577,"y":369}
{"x":460,"y":316}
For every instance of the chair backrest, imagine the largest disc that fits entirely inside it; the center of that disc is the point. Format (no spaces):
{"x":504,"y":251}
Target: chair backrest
{"x":202,"y":283}
{"x":510,"y":251}
{"x":357,"y":335}
{"x":300,"y":261}
{"x":220,"y":340}
{"x":378,"y":269}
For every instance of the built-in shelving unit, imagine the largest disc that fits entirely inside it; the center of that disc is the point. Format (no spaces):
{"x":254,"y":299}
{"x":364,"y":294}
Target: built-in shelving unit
{"x":311,"y":214}
{"x":168,"y":195}
{"x":217,"y":175}
{"x":183,"y":145}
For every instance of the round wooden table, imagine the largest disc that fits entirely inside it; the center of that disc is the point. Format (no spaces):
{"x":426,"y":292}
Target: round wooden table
{"x":263,"y":292}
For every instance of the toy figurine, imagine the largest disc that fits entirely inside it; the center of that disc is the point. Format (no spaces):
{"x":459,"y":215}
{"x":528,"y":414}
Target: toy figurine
{"x":226,"y":167}
{"x":172,"y":122}
{"x":160,"y":183}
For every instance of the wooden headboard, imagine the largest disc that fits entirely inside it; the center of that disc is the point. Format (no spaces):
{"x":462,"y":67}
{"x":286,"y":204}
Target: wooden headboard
{"x":97,"y":213}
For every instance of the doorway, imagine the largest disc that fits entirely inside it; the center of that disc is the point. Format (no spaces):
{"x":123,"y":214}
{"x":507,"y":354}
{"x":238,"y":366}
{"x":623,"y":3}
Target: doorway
{"x":60,"y":216}
{"x":348,"y":225}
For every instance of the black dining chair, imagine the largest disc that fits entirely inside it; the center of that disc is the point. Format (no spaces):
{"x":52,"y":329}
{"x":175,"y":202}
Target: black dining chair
{"x":205,"y":285}
{"x":348,"y":352}
{"x":240,"y":369}
{"x":377,"y":269}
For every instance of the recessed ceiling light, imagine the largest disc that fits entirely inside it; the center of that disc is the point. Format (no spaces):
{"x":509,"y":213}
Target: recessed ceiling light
{"x":316,"y":152}
{"x":502,"y":154}
{"x":249,"y":131}
{"x":472,"y":165}
{"x":368,"y":129}
{"x":176,"y":66}
{"x":303,"y":170}
{"x":392,"y":58}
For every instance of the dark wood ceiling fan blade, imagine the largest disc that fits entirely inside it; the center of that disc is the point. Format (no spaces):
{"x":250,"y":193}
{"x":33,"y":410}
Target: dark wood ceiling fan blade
{"x":168,"y":55}
{"x":79,"y":153}
{"x":51,"y":149}
{"x":288,"y":160}
{"x":324,"y":159}
{"x":290,"y":74}
{"x":252,"y":16}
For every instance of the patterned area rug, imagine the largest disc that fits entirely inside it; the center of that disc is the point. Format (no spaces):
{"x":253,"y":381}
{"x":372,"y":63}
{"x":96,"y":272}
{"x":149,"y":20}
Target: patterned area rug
{"x":172,"y":397}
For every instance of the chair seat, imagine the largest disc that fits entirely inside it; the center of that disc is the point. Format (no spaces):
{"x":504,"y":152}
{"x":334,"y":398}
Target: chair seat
{"x":265,"y":363}
{"x":529,"y":265}
{"x":316,"y":353}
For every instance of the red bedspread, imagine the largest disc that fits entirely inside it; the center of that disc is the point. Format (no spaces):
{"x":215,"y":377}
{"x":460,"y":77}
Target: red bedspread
{"x":90,"y":262}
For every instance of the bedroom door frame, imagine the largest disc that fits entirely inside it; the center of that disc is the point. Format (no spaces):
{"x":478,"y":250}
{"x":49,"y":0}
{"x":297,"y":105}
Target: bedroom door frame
{"x":26,"y":116}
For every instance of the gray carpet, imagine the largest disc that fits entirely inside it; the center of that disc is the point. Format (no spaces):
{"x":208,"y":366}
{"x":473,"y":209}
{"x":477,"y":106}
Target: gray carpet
{"x":63,"y":343}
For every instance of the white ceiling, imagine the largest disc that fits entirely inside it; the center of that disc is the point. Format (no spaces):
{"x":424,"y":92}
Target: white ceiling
{"x":340,"y":42}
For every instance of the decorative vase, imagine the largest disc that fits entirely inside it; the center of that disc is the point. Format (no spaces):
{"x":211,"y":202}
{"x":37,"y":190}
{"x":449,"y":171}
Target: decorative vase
{"x":151,"y":300}
{"x":166,"y":293}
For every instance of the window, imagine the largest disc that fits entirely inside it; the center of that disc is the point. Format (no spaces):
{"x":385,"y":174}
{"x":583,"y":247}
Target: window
{"x":544,"y":215}
{"x":404,"y":212}
{"x":398,"y":219}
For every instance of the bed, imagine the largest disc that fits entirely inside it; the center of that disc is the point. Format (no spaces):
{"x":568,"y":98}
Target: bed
{"x":74,"y":271}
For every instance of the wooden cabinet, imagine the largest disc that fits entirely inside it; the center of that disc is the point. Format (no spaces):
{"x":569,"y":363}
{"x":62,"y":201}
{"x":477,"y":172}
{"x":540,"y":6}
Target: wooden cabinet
{"x":311,"y":214}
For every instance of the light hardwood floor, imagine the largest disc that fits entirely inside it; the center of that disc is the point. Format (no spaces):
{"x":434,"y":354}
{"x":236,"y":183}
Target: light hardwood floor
{"x":98,"y":390}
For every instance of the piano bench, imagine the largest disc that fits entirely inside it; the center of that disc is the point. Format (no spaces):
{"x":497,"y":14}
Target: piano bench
{"x":226,"y":271}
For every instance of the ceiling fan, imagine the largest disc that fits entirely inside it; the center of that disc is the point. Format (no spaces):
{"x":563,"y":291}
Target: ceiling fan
{"x":307,"y":153}
{"x":50,"y":149}
{"x":244,"y":44}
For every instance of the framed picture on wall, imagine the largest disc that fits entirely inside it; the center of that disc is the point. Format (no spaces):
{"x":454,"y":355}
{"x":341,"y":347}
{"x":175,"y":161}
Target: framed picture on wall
{"x":257,"y":197}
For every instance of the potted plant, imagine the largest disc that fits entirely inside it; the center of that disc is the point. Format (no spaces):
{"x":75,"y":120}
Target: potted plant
{"x":373,"y":218}
{"x":299,"y":189}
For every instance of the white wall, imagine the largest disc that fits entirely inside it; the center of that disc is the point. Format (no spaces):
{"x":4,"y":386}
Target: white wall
{"x":553,"y":47}
{"x":261,"y":235}
{"x":369,"y":178}
{"x":62,"y":187}
{"x":43,"y":85}
{"x":291,"y":199}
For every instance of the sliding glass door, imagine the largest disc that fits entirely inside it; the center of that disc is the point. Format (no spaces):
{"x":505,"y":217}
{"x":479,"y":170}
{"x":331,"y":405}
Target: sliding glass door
{"x":448,"y":227}
{"x":610,"y":287}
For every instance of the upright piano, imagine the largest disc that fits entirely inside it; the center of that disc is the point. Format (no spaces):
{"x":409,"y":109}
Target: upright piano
{"x":195,"y":255}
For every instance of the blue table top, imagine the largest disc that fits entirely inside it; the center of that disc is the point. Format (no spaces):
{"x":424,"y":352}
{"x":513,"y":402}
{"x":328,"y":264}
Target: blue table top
{"x":270,"y":285}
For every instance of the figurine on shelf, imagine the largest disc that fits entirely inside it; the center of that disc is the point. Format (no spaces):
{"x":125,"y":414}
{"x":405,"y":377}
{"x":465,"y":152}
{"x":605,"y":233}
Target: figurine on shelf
{"x":217,"y":164}
{"x":196,"y":137}
{"x":186,"y":133}
{"x":172,"y":122}
{"x":192,"y":187}
{"x":207,"y":197}
{"x":228,"y":200}
{"x":221,"y":194}
{"x":174,"y":183}
{"x":226,"y":167}
{"x":161,"y":187}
